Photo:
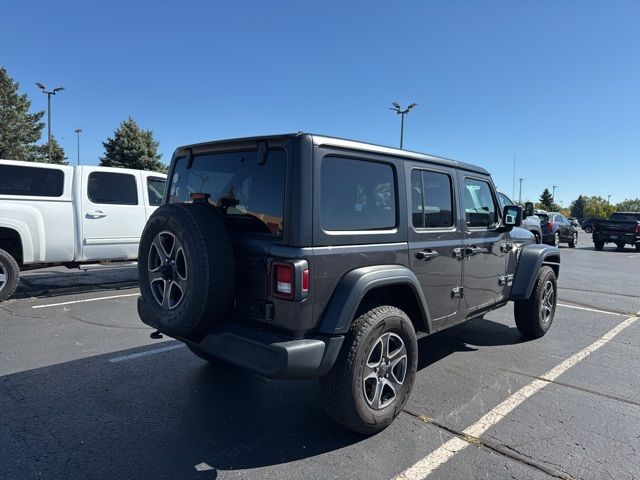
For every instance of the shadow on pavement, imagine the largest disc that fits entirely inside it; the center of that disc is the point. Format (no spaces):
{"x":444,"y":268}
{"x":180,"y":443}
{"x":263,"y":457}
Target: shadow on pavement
{"x":159,"y":416}
{"x":62,"y":281}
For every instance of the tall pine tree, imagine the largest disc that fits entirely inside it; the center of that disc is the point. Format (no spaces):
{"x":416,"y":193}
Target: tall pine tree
{"x":546,"y":200}
{"x":577,"y":208}
{"x":132,"y":147}
{"x":57,"y":153}
{"x":19,"y":129}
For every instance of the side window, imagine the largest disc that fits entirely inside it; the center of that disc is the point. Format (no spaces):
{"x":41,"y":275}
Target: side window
{"x":155,"y":189}
{"x":112,"y":188}
{"x":357,"y":195}
{"x":31,"y":181}
{"x":479,"y":206}
{"x":431,"y":199}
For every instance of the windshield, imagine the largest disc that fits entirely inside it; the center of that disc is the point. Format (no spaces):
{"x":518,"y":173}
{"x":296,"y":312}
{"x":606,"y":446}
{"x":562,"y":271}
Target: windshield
{"x":250,"y":193}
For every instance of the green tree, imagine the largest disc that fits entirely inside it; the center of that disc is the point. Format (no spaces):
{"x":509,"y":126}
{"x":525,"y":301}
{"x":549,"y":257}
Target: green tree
{"x":19,"y":129}
{"x":132,"y":147}
{"x":546,"y":200}
{"x":597,"y":207}
{"x":577,"y":208}
{"x":629,"y":205}
{"x":57,"y":153}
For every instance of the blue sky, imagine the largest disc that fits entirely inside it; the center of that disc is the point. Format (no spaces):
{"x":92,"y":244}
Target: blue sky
{"x":556,"y":82}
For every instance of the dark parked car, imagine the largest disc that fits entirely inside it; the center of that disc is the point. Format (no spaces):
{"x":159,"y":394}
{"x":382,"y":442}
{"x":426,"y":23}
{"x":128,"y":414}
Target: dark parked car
{"x":557,"y":229}
{"x":621,"y":228}
{"x":303,"y":256}
{"x":530,"y":221}
{"x":574,"y":221}
{"x":587,"y":225}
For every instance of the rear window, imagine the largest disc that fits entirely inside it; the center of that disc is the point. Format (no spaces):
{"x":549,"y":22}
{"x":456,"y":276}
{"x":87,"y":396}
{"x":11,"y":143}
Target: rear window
{"x":249,"y":192}
{"x":543,"y":217}
{"x":625,"y":217}
{"x":357,"y":195}
{"x":31,"y":181}
{"x":112,"y":188}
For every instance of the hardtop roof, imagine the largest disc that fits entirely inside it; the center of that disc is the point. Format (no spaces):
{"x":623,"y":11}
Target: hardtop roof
{"x":343,"y":143}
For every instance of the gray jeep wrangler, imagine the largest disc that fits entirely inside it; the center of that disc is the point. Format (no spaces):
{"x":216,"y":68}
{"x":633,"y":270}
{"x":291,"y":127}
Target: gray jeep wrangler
{"x":303,"y":256}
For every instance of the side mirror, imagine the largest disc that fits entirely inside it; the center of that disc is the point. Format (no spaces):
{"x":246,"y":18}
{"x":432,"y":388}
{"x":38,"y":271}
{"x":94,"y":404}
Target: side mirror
{"x":512,"y":216}
{"x":528,"y":210}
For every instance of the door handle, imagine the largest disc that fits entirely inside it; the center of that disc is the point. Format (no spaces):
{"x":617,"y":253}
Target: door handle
{"x":96,"y":214}
{"x":426,"y":255}
{"x":469,"y":251}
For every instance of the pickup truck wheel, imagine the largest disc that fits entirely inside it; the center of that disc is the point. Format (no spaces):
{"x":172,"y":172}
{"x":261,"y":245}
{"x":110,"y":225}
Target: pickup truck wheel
{"x":9,"y":275}
{"x":186,"y":270}
{"x":373,"y":376}
{"x":574,"y":241}
{"x":598,"y":245}
{"x":535,"y":315}
{"x":620,"y":245}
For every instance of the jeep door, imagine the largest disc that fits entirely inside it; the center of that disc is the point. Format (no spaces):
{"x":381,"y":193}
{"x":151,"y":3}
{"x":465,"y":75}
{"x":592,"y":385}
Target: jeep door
{"x":484,"y":249}
{"x":434,"y":238}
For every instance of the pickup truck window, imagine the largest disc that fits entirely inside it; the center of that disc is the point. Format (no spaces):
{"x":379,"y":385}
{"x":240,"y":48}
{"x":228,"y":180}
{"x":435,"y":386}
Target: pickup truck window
{"x":479,"y":206}
{"x":31,"y":181}
{"x":431,"y":199}
{"x":357,"y":195}
{"x":155,"y":189}
{"x":112,"y":188}
{"x":625,"y":217}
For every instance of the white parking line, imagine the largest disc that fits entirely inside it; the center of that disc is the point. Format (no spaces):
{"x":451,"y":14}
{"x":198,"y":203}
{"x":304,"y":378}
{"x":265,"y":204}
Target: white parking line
{"x":145,"y":353}
{"x":591,"y":310}
{"x":86,"y":300}
{"x":441,"y":455}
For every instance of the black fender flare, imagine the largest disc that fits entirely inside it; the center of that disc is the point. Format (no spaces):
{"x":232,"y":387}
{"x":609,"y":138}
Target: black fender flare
{"x":346,"y":298}
{"x":532,"y":257}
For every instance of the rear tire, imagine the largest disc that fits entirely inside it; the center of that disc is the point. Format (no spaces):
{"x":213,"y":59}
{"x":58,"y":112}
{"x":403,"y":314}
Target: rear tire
{"x":637,"y":247}
{"x":9,"y":275}
{"x":534,"y":316}
{"x":555,"y":241}
{"x":367,"y":387}
{"x":574,"y":241}
{"x":620,"y":245}
{"x":598,"y":245}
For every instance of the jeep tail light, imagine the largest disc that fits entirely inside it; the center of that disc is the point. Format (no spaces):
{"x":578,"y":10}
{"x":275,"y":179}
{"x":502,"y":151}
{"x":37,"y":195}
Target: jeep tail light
{"x":290,"y":280}
{"x":283,"y":276}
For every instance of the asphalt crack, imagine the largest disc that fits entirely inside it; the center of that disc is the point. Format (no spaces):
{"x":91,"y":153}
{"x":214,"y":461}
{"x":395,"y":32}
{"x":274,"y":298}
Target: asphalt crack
{"x":577,"y":387}
{"x":494,"y":447}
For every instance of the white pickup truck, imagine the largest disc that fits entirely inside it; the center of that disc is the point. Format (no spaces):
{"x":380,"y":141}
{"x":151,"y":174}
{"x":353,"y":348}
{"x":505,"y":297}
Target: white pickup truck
{"x":63,"y":215}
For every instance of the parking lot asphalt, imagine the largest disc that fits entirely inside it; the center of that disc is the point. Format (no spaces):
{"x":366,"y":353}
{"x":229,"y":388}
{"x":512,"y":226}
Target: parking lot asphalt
{"x":85,"y":393}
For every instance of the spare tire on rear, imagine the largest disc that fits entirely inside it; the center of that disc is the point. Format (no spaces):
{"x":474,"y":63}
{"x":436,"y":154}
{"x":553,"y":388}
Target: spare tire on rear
{"x":186,"y":270}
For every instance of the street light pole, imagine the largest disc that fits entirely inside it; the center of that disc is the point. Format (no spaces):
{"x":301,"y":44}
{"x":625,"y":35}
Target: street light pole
{"x":398,"y":109}
{"x":553,"y":195}
{"x":52,"y":92}
{"x":78,"y":131}
{"x":520,"y":196}
{"x":609,"y":199}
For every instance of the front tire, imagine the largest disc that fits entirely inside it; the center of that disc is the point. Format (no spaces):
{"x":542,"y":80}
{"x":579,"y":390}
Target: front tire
{"x":9,"y":275}
{"x":598,"y":245}
{"x":373,"y":376}
{"x":534,"y":316}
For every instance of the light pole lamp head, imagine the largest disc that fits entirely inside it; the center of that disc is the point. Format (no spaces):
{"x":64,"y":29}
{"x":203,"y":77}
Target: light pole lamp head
{"x":78,"y":130}
{"x":396,"y":105}
{"x":58,"y":89}
{"x":40,"y":86}
{"x":411,"y":106}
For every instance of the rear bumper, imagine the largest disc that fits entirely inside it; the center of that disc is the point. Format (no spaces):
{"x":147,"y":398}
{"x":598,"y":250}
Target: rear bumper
{"x":615,"y":237}
{"x":271,"y":355}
